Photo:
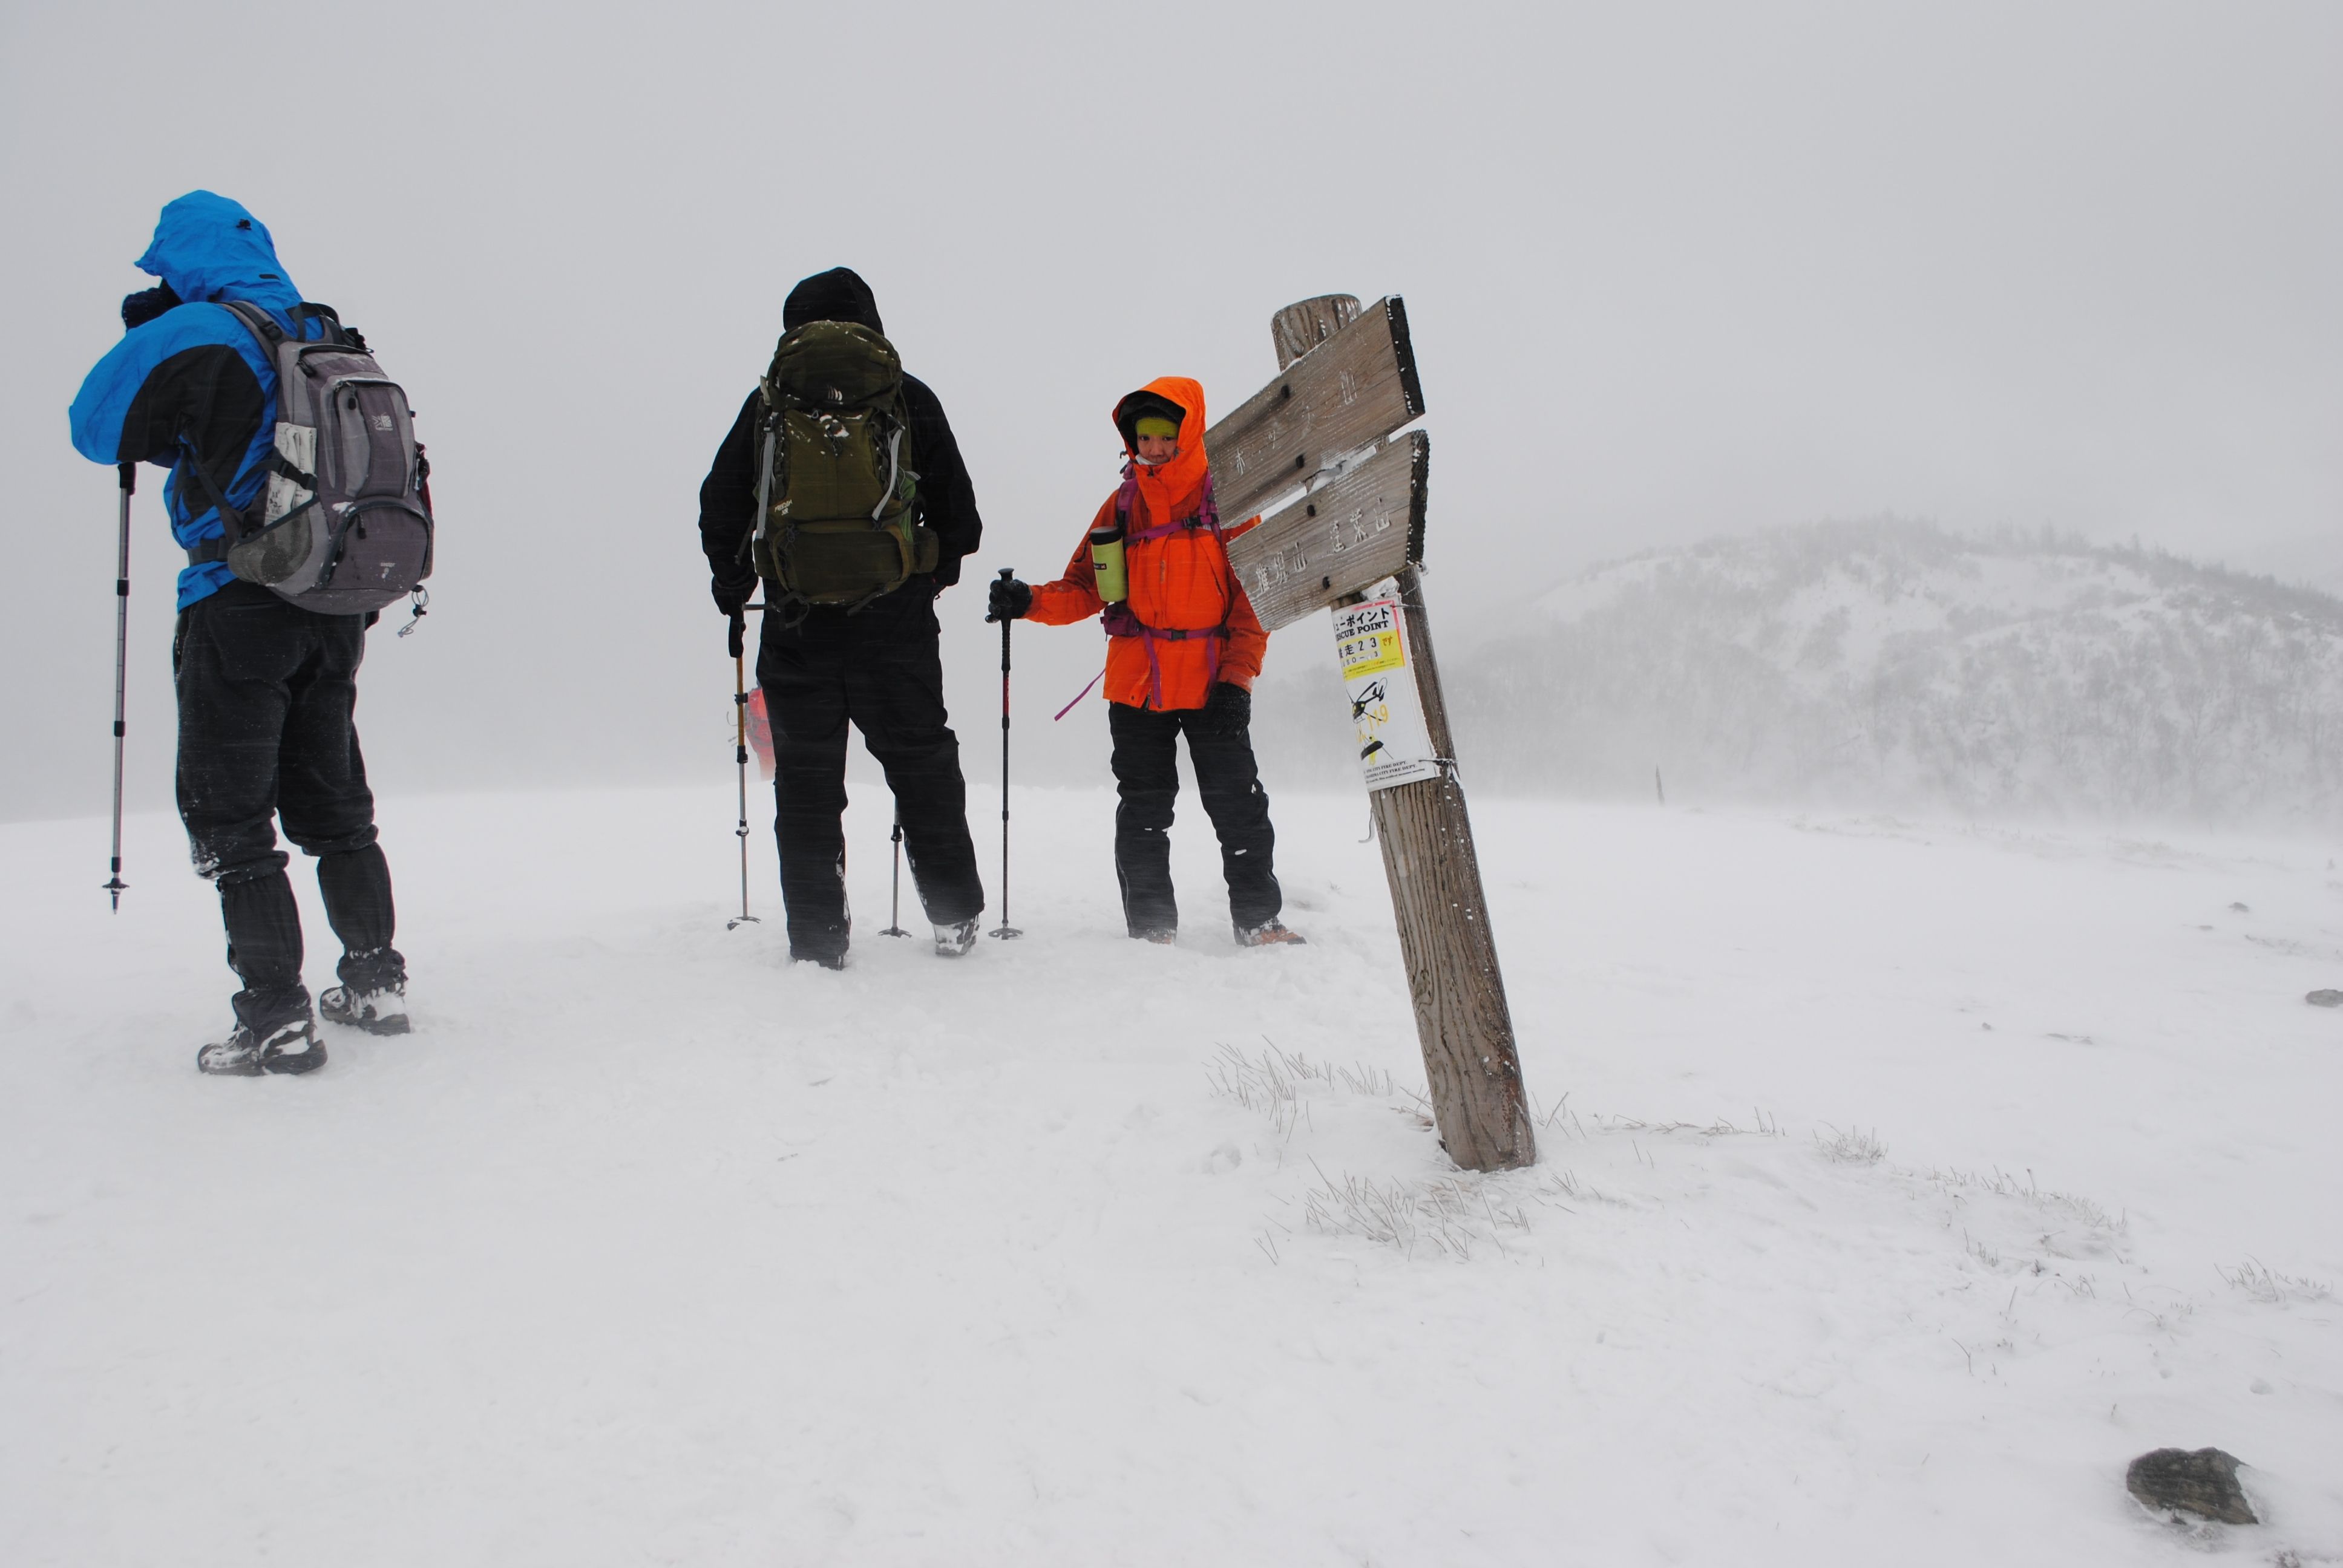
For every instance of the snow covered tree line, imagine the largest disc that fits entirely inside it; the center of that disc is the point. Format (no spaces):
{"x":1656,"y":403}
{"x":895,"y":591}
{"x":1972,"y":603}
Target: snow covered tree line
{"x":1895,"y":664}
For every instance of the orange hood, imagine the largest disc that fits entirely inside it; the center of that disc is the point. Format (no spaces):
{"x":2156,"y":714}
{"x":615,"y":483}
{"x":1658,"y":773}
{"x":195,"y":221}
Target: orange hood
{"x":1168,"y":486}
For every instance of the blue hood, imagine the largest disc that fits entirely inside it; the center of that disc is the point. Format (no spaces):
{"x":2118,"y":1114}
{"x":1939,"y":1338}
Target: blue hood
{"x":208,"y":248}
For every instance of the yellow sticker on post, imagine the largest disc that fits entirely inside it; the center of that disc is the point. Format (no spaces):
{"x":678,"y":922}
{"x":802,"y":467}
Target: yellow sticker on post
{"x":1370,"y":652}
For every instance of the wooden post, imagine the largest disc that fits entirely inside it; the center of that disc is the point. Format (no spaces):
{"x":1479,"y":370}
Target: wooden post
{"x":1299,"y":329}
{"x":1462,"y":1020}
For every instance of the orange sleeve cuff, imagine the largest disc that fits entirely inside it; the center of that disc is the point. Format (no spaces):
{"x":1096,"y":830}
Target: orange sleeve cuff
{"x":1063,"y":602}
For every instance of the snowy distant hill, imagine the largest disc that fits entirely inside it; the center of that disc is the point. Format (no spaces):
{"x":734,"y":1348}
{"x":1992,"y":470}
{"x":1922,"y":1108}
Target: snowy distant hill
{"x":2312,"y":561}
{"x":1895,"y":663}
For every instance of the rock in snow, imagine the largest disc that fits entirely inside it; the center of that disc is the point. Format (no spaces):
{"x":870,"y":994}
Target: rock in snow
{"x":2203,"y":1483}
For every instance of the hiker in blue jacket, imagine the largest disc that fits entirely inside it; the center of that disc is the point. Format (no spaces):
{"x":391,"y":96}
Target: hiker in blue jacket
{"x":265,"y":689}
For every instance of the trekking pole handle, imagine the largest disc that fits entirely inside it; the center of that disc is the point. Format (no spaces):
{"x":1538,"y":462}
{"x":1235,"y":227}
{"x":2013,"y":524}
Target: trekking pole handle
{"x":1007,"y":574}
{"x":129,"y":479}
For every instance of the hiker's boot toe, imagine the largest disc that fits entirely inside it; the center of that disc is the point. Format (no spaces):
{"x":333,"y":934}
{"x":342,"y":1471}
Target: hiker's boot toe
{"x":381,"y":1012}
{"x":248,"y":1052}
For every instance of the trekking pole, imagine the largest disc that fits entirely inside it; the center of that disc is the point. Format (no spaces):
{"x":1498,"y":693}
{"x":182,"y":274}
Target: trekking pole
{"x":114,"y":887}
{"x":895,"y":909}
{"x":740,"y":758}
{"x":1004,"y":930}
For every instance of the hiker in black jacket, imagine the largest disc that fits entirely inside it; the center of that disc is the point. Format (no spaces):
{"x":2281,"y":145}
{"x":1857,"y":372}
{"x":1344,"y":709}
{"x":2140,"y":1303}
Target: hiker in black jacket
{"x":878,"y":666}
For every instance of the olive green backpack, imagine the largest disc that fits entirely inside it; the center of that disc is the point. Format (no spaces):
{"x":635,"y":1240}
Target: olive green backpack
{"x":836,"y":523}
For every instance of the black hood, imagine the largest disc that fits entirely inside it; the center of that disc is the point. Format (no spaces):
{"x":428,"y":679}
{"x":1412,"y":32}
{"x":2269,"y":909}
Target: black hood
{"x":838,"y":295}
{"x":1137,"y":407}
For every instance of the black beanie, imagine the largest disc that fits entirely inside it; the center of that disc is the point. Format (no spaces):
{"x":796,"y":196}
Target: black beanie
{"x":838,"y":295}
{"x":140,"y":308}
{"x":1137,"y":407}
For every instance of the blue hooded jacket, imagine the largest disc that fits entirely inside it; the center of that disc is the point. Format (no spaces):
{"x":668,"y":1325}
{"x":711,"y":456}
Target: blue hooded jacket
{"x":195,"y":381}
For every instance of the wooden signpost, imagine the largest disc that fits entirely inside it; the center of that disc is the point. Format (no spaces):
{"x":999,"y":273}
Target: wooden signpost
{"x":1346,"y":381}
{"x":1363,"y":524}
{"x":1355,"y":386}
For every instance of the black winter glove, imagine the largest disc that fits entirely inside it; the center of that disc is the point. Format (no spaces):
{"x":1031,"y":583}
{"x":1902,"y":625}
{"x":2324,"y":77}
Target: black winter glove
{"x":732,"y":594}
{"x":140,"y":308}
{"x":1007,"y":599}
{"x":1227,"y":711}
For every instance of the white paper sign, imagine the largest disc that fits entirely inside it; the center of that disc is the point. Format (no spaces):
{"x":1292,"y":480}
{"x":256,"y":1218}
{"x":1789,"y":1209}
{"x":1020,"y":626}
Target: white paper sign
{"x":1371,"y":642}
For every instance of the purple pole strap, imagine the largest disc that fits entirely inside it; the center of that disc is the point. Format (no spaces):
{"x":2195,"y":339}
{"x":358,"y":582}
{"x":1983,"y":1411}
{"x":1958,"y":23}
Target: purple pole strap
{"x":1085,"y":691}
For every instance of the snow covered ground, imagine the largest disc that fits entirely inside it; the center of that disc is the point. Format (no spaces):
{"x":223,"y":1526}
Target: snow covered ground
{"x":1901,"y":1182}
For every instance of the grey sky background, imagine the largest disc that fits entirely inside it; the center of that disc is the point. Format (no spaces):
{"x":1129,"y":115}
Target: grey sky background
{"x":1673,"y":271}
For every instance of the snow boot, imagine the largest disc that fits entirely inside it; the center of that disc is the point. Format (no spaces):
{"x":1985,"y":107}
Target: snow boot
{"x":248,"y":1052}
{"x":1162,"y":936}
{"x":1269,"y":933}
{"x":951,"y":941}
{"x":382,"y":1012}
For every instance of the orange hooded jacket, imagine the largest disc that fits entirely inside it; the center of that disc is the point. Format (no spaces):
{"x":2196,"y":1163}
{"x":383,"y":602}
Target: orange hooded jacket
{"x":1180,"y":582}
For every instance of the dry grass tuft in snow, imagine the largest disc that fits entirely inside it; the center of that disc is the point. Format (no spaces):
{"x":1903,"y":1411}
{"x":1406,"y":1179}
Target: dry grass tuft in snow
{"x":2107,"y":1227}
{"x":1761,"y":1126}
{"x":2265,"y":1284}
{"x":1441,"y":1216}
{"x":1855,"y":1146}
{"x":1447,"y":1216}
{"x":1276,"y":1081}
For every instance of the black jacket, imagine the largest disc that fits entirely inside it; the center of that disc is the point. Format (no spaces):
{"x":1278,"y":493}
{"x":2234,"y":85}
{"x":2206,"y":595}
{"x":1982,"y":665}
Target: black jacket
{"x":946,"y":500}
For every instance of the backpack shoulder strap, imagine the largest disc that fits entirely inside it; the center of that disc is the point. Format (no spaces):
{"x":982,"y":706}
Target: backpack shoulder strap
{"x":257,"y":322}
{"x":263,"y":326}
{"x":234,"y":524}
{"x":1126,"y":492}
{"x":332,"y":329}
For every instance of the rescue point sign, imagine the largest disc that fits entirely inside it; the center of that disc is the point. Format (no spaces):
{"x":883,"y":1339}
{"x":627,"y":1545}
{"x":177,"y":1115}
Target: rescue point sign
{"x":1386,"y":710}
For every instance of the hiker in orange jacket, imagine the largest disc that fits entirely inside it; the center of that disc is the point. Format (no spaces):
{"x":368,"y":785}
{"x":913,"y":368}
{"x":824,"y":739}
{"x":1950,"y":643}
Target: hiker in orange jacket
{"x":1183,"y":646}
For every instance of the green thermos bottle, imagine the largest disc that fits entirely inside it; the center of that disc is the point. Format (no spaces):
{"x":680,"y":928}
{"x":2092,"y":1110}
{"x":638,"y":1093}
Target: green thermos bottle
{"x":1106,"y":562}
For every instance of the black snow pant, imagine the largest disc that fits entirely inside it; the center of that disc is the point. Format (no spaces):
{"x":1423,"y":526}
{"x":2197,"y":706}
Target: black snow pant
{"x":885,"y":676}
{"x":1147,"y":772}
{"x":266,"y":696}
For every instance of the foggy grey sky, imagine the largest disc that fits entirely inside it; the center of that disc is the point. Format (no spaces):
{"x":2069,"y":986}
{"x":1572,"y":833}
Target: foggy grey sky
{"x":1673,"y":271}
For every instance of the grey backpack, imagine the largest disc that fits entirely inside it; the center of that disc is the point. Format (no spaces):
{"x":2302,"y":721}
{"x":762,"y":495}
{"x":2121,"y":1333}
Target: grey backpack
{"x":344,"y":525}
